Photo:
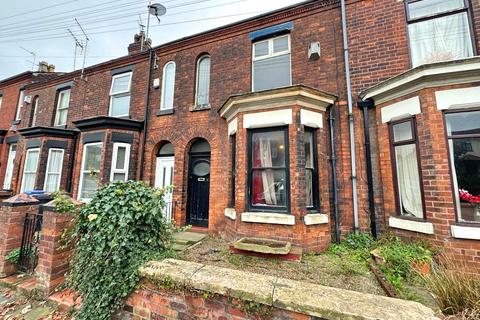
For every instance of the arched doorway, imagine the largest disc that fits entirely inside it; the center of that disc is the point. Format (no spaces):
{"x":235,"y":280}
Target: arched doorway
{"x":164,"y":175}
{"x":198,"y":184}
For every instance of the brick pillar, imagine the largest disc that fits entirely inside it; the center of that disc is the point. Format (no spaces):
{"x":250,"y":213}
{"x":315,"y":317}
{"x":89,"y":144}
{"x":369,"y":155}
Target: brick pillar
{"x":54,"y":254}
{"x":12,"y":218}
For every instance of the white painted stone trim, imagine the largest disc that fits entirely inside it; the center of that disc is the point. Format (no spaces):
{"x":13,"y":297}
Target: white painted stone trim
{"x":268,"y":217}
{"x":267,"y":119}
{"x":465,"y":232}
{"x":410,"y":225}
{"x":458,"y":98}
{"x":311,"y":119}
{"x":315,"y":218}
{"x":232,"y":127}
{"x":230,"y":213}
{"x":402,"y":109}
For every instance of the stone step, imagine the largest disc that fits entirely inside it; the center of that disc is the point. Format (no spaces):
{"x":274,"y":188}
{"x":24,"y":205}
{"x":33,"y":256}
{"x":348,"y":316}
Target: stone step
{"x":188,"y":237}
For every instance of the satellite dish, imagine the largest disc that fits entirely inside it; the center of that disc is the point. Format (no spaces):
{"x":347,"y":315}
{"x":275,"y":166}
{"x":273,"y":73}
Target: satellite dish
{"x":157,"y":9}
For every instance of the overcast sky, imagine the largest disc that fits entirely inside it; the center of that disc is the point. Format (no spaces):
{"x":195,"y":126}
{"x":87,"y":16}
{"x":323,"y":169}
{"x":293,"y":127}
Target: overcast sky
{"x":42,"y":27}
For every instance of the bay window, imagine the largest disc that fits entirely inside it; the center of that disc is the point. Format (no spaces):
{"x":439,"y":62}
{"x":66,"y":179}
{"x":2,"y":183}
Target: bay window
{"x":438,"y":30}
{"x":63,"y":102}
{"x":30,"y":170}
{"x":268,"y":170}
{"x":90,"y":171}
{"x":463,"y":131}
{"x":311,"y":169}
{"x":54,"y":170}
{"x":406,"y":168}
{"x":271,"y":64}
{"x":12,"y":152}
{"x":168,"y":86}
{"x":120,"y":162}
{"x":202,"y":99}
{"x":120,"y":95}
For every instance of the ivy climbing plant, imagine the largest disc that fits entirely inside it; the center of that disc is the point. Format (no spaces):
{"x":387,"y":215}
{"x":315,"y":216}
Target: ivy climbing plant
{"x":118,"y":231}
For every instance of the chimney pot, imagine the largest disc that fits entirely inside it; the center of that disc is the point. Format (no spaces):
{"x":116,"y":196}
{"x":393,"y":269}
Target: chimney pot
{"x":43,"y":66}
{"x":136,"y":45}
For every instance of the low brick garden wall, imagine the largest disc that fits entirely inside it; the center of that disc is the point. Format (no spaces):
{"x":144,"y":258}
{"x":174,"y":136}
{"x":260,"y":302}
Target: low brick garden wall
{"x":175,"y":289}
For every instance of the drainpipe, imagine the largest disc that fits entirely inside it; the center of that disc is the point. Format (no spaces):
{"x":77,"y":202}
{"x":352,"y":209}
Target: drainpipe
{"x":145,"y":114}
{"x":365,"y":106}
{"x":333,"y":160}
{"x":350,"y":114}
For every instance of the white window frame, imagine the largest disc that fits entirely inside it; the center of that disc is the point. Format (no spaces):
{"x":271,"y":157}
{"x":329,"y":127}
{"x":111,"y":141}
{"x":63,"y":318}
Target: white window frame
{"x":162,"y":102}
{"x":1,"y":100}
{"x":47,"y":172}
{"x":22,"y":189}
{"x":21,"y":97}
{"x":82,"y":171}
{"x":59,"y":100}
{"x":7,"y":185}
{"x":35,"y":110}
{"x":197,"y":81}
{"x":121,"y":93}
{"x":114,"y":169}
{"x":271,"y":54}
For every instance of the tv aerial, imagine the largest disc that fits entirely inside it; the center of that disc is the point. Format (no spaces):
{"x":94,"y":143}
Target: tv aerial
{"x":157,"y":10}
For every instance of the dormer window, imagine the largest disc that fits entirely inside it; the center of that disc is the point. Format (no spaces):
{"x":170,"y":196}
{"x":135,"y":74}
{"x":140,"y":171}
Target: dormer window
{"x":120,"y":95}
{"x":271,"y":65}
{"x":438,"y":30}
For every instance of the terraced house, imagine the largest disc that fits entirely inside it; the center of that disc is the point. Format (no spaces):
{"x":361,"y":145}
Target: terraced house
{"x":300,"y":124}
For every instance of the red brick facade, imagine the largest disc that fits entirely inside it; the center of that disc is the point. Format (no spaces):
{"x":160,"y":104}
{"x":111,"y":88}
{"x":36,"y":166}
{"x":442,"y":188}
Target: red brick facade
{"x":378,"y":50}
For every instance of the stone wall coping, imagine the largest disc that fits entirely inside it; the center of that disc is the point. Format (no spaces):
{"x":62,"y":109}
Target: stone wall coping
{"x":269,"y":218}
{"x":20,"y":200}
{"x":302,"y":297}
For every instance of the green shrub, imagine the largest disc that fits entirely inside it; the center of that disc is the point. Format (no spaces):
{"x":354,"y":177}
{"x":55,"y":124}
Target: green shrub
{"x":355,"y":246}
{"x":455,"y":289}
{"x":118,"y":231}
{"x":13,"y":256}
{"x":64,"y":204}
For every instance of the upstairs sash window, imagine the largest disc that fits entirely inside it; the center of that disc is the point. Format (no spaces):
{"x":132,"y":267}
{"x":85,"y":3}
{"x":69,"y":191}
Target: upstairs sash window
{"x":120,"y":95}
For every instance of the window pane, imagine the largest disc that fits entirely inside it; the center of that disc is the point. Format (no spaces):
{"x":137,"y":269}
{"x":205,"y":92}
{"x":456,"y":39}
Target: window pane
{"x":268,"y":149}
{"x":89,"y":185}
{"x":168,"y":86}
{"x":55,"y":161}
{"x":466,"y":158}
{"x":408,"y":181}
{"x":308,"y":141}
{"x":309,"y":187}
{"x":430,"y":7}
{"x":269,"y":188}
{"x":271,"y":73}
{"x":119,"y":177}
{"x":121,"y":84}
{"x":440,"y":39}
{"x":203,"y":86}
{"x":62,"y":117}
{"x":92,"y":158}
{"x":64,"y":99}
{"x":120,"y":106}
{"x":121,"y":152}
{"x":261,"y":49}
{"x":51,"y":182}
{"x":402,"y":131}
{"x":29,"y":182}
{"x":31,"y":161}
{"x":10,"y":162}
{"x":201,"y":168}
{"x":463,"y":123}
{"x":280,"y":44}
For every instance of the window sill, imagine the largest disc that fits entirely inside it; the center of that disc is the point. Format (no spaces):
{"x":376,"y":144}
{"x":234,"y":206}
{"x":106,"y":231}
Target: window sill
{"x":165,"y":112}
{"x":269,"y":218}
{"x":465,"y":232}
{"x":230,"y":213}
{"x":315,"y":218}
{"x":15,"y":122}
{"x":411,"y":225}
{"x":200,"y":108}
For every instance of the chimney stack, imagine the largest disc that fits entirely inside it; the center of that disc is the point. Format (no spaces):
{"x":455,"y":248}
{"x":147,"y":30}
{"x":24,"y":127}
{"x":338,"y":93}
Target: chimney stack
{"x":135,"y":46}
{"x":43,"y":66}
